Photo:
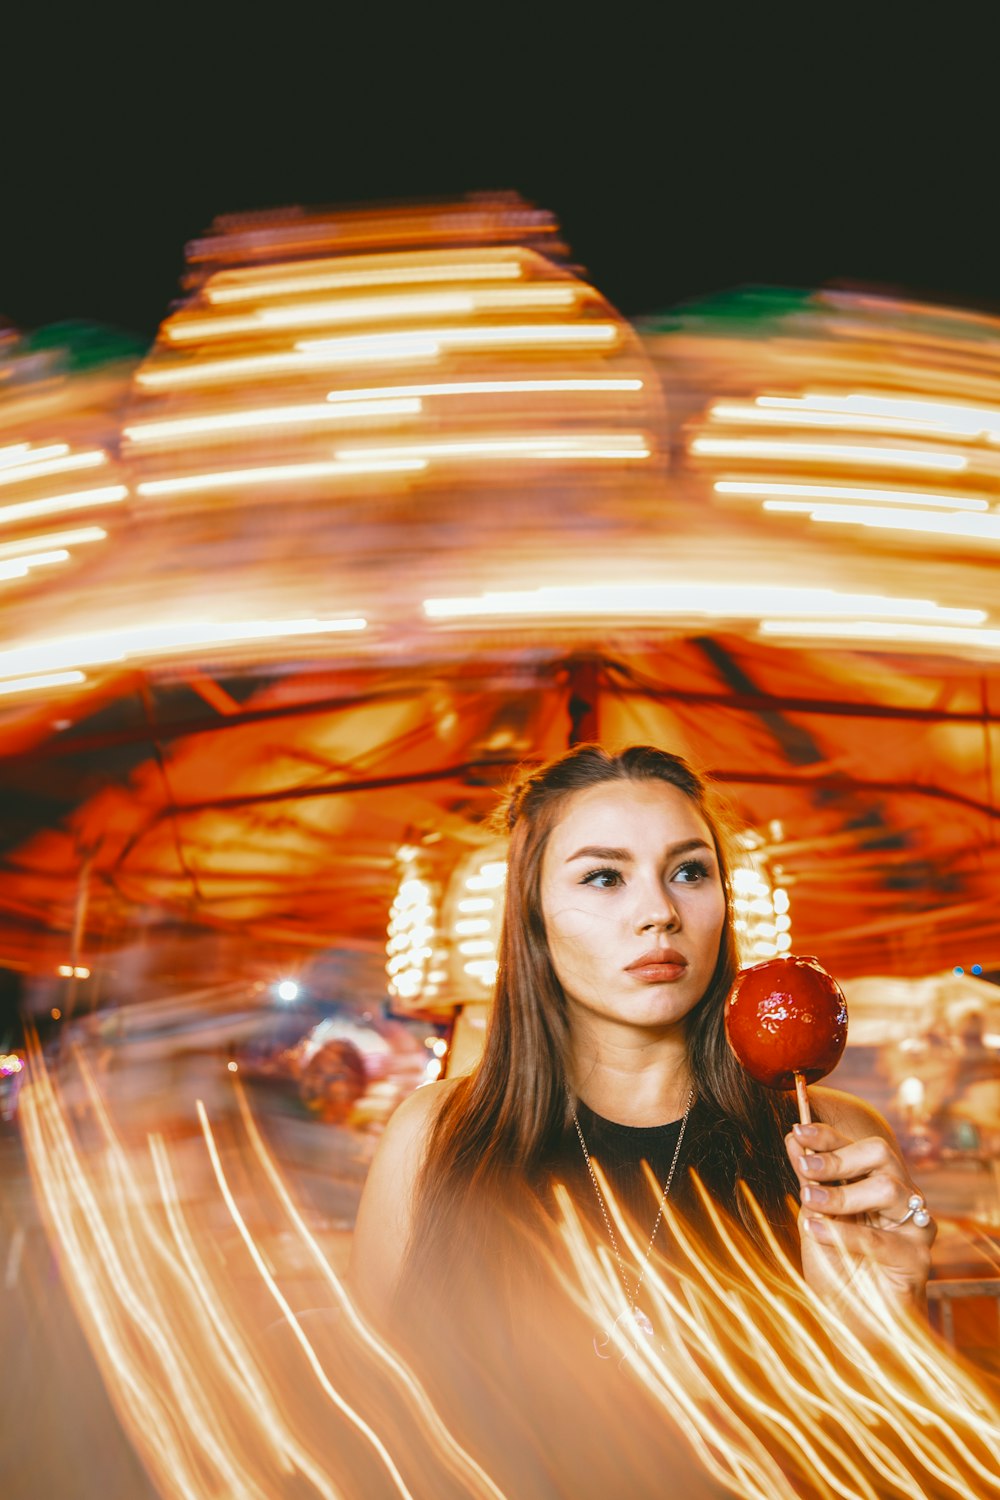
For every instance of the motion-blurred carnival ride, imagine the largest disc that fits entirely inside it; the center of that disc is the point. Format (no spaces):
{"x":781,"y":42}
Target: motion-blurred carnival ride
{"x":400,"y":502}
{"x":395,"y":503}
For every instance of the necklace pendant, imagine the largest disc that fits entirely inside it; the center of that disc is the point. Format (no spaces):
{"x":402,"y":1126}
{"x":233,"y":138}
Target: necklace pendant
{"x":628,"y":1327}
{"x":642,"y":1323}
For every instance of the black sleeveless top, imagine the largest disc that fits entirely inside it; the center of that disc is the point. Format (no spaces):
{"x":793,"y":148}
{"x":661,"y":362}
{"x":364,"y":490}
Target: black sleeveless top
{"x":620,"y":1151}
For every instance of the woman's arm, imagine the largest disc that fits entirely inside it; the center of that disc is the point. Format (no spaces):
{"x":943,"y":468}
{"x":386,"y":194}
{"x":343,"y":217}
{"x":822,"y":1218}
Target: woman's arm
{"x":385,"y":1213}
{"x":854,"y":1188}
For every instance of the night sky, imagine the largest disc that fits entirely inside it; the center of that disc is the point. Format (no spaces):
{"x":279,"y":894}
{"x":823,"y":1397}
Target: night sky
{"x":682,"y":152}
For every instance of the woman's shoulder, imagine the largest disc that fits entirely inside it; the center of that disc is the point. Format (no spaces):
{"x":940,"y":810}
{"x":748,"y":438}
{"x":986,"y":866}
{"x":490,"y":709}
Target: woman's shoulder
{"x":413,"y":1120}
{"x":846,"y":1112}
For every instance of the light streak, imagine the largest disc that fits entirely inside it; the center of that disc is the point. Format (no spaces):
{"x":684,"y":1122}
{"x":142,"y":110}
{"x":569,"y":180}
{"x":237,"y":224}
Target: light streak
{"x":110,"y":494}
{"x":58,"y":465}
{"x":53,"y":539}
{"x":508,"y":336}
{"x":780,"y":411}
{"x":401,"y":273}
{"x":382,"y":309}
{"x":42,"y":682}
{"x":975,"y":528}
{"x":120,"y":645}
{"x":845,"y":453}
{"x":884,"y":630}
{"x":549,"y":446}
{"x":768,"y":1383}
{"x":206,"y":1405}
{"x":282,"y":474}
{"x":489,"y":387}
{"x":961,"y":419}
{"x":844,"y":492}
{"x":20,"y":567}
{"x":270,"y":416}
{"x":726,"y":600}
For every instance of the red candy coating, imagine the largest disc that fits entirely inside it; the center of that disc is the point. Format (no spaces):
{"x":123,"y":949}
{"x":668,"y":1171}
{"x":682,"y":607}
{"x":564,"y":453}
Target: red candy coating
{"x":786,"y":1016}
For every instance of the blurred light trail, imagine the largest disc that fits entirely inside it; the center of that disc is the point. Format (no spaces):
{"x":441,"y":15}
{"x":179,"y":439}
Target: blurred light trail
{"x":546,"y":445}
{"x":53,"y":539}
{"x":845,"y":453}
{"x":282,"y":474}
{"x":110,"y":494}
{"x":58,"y":465}
{"x":373,"y":310}
{"x":401,"y":271}
{"x":44,"y":682}
{"x":435,"y":340}
{"x":270,"y":416}
{"x":491,"y":388}
{"x":845,"y":492}
{"x":880,"y":630}
{"x":137,"y":642}
{"x":973,"y":528}
{"x":961,"y":420}
{"x":202,"y":1391}
{"x":725,"y":600}
{"x":17,"y":568}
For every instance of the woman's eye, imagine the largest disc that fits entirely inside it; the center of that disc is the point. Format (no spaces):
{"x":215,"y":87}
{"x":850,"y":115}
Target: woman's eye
{"x":605,"y":880}
{"x":692,"y":870}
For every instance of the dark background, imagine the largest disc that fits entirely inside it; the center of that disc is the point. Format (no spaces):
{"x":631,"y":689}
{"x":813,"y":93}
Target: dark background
{"x":683,"y":151}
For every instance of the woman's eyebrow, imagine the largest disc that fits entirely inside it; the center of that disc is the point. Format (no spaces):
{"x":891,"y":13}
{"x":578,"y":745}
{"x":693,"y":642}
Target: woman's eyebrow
{"x":624,"y":856}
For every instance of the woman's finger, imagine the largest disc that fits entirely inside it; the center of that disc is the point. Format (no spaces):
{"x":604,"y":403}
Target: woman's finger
{"x":905,"y":1252}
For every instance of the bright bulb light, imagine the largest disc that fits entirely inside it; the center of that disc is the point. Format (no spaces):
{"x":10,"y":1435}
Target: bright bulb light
{"x":288,"y":990}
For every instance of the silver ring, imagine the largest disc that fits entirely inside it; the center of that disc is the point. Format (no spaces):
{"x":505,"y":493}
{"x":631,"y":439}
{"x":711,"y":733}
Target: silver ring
{"x":916,"y":1209}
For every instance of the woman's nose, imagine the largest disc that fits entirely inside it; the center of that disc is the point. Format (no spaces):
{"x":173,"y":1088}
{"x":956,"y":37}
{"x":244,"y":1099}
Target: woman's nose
{"x":658,"y":913}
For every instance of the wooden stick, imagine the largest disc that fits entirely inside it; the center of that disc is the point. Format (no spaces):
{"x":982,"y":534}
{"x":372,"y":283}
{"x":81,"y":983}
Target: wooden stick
{"x":805,"y":1113}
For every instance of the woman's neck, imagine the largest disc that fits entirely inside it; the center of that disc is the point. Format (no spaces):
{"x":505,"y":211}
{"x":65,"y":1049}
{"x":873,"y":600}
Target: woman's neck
{"x":631,"y":1082}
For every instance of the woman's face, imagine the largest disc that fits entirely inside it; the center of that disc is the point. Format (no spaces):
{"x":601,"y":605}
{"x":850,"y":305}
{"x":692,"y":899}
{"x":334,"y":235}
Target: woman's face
{"x":633,"y":904}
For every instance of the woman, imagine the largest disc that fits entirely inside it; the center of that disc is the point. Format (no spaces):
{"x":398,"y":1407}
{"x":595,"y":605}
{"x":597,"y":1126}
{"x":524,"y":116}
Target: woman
{"x":607,"y":1042}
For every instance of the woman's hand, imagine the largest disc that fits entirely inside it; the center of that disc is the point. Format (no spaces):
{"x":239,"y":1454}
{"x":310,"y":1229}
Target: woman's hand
{"x":854,"y":1192}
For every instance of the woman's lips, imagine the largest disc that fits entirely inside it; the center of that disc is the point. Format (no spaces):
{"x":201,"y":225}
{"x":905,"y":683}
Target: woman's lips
{"x":659,"y":966}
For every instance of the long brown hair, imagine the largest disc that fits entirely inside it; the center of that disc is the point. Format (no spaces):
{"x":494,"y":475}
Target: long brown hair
{"x":499,"y":1131}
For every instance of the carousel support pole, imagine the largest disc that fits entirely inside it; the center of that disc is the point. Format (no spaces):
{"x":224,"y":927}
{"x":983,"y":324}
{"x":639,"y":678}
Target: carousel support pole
{"x":584,"y":688}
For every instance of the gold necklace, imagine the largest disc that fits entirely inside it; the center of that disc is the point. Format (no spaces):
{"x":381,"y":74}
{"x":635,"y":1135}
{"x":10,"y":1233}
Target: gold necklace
{"x":640,"y":1322}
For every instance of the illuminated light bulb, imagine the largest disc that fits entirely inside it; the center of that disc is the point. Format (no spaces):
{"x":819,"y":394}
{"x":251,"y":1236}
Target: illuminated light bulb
{"x":783,"y":942}
{"x":65,"y":971}
{"x":81,"y":972}
{"x":482,"y":968}
{"x":57,"y":465}
{"x":288,"y":990}
{"x":476,"y":945}
{"x":884,"y":630}
{"x":912,"y":1092}
{"x":783,"y":922}
{"x":439,"y":1047}
{"x":271,"y":416}
{"x":556,"y":446}
{"x":901,"y":458}
{"x":55,"y":540}
{"x":346,"y":280}
{"x":233,"y":1067}
{"x":110,"y":494}
{"x":41,"y":682}
{"x":488,"y":877}
{"x":512,"y":336}
{"x":472,"y":925}
{"x":727,"y":600}
{"x":278,"y":474}
{"x":55,"y":1013}
{"x":843,"y":492}
{"x":476,"y":903}
{"x":978,"y":528}
{"x":780,"y":899}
